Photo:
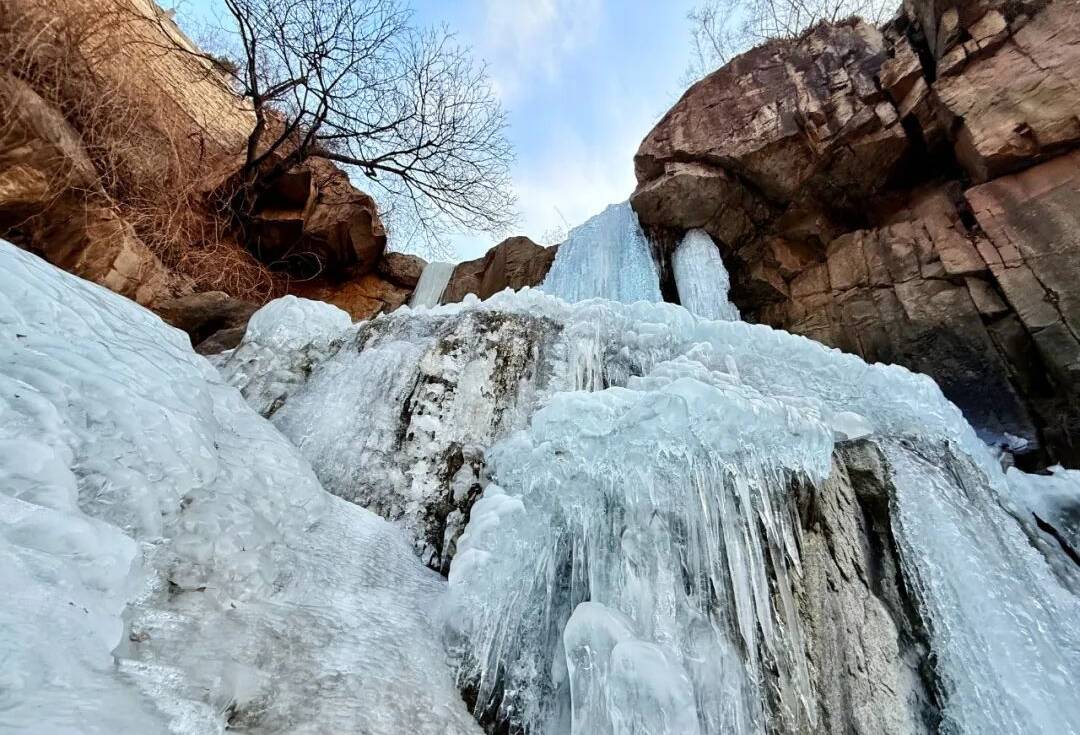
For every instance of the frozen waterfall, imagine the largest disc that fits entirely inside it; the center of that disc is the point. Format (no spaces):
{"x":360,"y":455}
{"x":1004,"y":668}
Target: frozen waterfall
{"x":608,"y":257}
{"x":652,"y":521}
{"x":639,"y":556}
{"x":701,"y":278}
{"x":432,"y":283}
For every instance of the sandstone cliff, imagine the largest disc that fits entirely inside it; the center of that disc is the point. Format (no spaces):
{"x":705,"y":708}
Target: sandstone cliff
{"x":119,"y":153}
{"x":908,"y":194}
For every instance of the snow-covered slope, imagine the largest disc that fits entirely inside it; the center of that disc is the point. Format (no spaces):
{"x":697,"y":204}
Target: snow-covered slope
{"x":169,"y":562}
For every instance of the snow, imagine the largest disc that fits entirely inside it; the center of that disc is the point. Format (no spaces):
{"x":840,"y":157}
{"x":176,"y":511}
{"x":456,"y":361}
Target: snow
{"x":701,"y":278}
{"x":606,"y":257}
{"x":170,"y":562}
{"x":291,"y":323}
{"x":432,"y":283}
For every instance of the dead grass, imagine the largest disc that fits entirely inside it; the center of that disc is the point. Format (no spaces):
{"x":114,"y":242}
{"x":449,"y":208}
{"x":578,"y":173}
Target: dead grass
{"x":155,"y":169}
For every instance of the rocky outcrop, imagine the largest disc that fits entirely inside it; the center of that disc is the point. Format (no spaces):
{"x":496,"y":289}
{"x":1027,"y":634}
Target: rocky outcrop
{"x":1032,"y":249}
{"x":866,"y":644}
{"x":868,"y":189}
{"x":312,"y":221}
{"x":803,"y":124}
{"x":1007,"y":85}
{"x":514,"y":263}
{"x":52,"y":202}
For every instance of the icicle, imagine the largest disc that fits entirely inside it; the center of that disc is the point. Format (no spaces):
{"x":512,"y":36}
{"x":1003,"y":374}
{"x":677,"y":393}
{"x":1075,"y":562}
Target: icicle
{"x":701,"y":277}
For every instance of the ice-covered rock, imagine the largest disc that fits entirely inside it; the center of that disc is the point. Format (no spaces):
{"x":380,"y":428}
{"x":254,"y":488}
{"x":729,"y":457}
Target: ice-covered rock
{"x":642,"y":491}
{"x":170,"y":562}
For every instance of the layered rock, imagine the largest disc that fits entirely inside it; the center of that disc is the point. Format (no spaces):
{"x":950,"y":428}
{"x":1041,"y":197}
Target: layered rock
{"x":1007,"y":83}
{"x":801,"y":123}
{"x":832,"y":170}
{"x":514,"y":263}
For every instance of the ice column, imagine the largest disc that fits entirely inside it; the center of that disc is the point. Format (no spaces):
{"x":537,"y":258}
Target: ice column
{"x":702,"y":279}
{"x":432,"y":284}
{"x":608,"y":257}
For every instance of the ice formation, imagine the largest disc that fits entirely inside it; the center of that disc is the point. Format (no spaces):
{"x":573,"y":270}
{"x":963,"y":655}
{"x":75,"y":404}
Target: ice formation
{"x":633,"y":561}
{"x":433,"y":280}
{"x":170,"y":562}
{"x":701,"y":278}
{"x":619,"y":489}
{"x":608,"y":257}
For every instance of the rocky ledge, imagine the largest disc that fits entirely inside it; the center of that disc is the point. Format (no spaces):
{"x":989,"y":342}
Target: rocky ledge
{"x":909,"y":194}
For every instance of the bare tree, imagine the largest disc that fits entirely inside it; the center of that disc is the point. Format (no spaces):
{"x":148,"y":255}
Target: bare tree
{"x":721,"y":29}
{"x":353,"y":81}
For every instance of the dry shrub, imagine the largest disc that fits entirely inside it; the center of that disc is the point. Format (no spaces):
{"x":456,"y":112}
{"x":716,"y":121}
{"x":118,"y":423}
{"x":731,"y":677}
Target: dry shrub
{"x":152,"y":165}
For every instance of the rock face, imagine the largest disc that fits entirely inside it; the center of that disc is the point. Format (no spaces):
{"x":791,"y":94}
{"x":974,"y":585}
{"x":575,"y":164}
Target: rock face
{"x":514,"y":263}
{"x":313,"y":221}
{"x":1006,"y":79}
{"x":52,"y":202}
{"x":363,"y":297}
{"x":401,"y":269}
{"x":907,"y":195}
{"x":865,"y":639}
{"x":781,"y":124}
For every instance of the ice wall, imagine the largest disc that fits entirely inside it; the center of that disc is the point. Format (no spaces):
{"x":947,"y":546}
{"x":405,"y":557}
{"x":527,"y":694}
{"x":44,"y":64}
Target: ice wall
{"x":608,"y":257}
{"x":432,"y":283}
{"x":701,"y":278}
{"x":169,"y":560}
{"x":632,"y":559}
{"x":632,"y":562}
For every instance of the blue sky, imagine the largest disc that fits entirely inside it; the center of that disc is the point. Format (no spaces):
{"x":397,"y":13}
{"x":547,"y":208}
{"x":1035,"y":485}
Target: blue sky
{"x":582,"y":81}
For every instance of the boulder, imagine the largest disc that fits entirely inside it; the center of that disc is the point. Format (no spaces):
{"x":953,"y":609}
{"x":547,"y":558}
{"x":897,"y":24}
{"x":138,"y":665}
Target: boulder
{"x":401,"y":269}
{"x":801,"y":121}
{"x":514,"y":263}
{"x":208,"y":315}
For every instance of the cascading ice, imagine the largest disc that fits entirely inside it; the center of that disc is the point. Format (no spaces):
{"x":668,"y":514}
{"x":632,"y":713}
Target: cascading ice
{"x":634,"y":563}
{"x":608,"y":257}
{"x":432,"y":283}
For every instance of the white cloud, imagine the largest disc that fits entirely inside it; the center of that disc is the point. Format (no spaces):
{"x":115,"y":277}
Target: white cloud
{"x":523,"y":39}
